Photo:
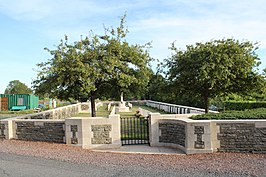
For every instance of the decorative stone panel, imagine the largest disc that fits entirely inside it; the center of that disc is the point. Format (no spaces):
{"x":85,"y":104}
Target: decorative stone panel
{"x":41,"y":131}
{"x":2,"y":131}
{"x":199,"y":143}
{"x":48,"y":115}
{"x":101,"y":134}
{"x":74,"y":130}
{"x":64,"y":113}
{"x":241,"y":137}
{"x":172,"y":133}
{"x":85,"y":107}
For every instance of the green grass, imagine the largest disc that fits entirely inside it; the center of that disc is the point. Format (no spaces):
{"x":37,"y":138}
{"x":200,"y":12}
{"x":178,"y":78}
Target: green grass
{"x":154,"y":110}
{"x":135,"y":128}
{"x":9,"y":114}
{"x":103,"y":112}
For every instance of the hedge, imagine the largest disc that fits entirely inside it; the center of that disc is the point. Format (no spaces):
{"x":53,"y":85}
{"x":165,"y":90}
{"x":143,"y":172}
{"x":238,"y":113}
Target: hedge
{"x":259,"y":113}
{"x":242,"y":105}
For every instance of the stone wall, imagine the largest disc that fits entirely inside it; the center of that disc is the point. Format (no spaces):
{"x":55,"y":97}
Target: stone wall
{"x":241,"y":137}
{"x":40,"y":131}
{"x":2,"y":131}
{"x":58,"y":113}
{"x":172,"y":133}
{"x":207,"y":136}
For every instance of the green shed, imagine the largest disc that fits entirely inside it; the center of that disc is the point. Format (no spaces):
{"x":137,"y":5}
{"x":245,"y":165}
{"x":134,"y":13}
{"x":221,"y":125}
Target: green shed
{"x":18,"y":101}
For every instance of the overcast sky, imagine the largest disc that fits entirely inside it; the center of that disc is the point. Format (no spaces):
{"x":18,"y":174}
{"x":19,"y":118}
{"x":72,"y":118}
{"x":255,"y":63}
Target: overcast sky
{"x":27,"y":26}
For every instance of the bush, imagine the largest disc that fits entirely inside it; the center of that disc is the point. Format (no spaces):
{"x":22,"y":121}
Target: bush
{"x":259,"y":113}
{"x":242,"y":105}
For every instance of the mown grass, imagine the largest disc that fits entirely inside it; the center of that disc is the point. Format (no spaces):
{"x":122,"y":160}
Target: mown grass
{"x":9,"y":114}
{"x":103,"y":112}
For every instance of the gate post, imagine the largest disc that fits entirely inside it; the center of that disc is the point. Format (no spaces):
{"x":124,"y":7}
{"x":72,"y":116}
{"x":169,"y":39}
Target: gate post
{"x":154,"y":129}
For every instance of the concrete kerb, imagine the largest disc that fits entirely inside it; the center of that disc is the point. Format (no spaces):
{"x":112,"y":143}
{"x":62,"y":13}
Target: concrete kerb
{"x":143,"y":149}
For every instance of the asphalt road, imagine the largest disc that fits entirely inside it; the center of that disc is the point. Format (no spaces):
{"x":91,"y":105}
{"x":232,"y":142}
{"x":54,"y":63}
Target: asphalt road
{"x":12,"y":165}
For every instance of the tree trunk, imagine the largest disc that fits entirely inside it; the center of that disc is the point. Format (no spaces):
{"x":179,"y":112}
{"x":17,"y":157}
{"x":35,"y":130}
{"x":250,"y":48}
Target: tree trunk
{"x":93,"y":110}
{"x":206,"y":102}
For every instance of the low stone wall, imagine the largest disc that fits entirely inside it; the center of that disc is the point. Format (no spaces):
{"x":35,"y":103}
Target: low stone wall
{"x":58,"y":113}
{"x":242,"y":137}
{"x":43,"y":130}
{"x":206,"y":136}
{"x":172,"y":132}
{"x":88,"y":132}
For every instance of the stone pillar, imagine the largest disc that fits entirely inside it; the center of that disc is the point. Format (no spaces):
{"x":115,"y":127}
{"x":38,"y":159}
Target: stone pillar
{"x":74,"y":132}
{"x":198,"y":137}
{"x":94,"y":132}
{"x":154,"y":129}
{"x":9,"y":128}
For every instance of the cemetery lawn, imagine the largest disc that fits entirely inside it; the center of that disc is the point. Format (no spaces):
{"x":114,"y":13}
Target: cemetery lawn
{"x":103,"y":112}
{"x":9,"y":114}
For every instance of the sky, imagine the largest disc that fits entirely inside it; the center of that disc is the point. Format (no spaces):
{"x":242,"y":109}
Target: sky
{"x":28,"y":26}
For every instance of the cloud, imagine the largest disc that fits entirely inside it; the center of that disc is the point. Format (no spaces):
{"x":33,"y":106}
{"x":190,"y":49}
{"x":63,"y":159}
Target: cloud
{"x":159,"y":21}
{"x":34,"y":10}
{"x":204,"y":20}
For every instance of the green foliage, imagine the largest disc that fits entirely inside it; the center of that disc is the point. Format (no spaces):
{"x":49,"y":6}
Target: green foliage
{"x":242,"y":105}
{"x":94,"y":66}
{"x":157,"y":88}
{"x":259,"y":113}
{"x":17,"y":87}
{"x":216,"y":68}
{"x":162,"y":90}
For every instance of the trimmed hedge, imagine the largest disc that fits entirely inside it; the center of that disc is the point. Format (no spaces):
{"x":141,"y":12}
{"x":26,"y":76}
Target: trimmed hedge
{"x":242,"y":105}
{"x":259,"y":113}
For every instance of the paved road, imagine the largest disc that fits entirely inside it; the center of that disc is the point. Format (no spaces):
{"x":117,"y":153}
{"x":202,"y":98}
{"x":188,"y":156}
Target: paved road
{"x":25,"y":166}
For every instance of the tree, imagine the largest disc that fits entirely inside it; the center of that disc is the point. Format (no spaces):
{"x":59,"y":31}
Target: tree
{"x":218,"y":67}
{"x":92,"y":65}
{"x":17,"y":87}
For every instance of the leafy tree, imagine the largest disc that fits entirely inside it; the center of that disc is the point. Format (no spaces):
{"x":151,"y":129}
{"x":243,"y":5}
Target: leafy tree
{"x":93,"y":65}
{"x":17,"y":87}
{"x":215,"y":68}
{"x":157,"y":88}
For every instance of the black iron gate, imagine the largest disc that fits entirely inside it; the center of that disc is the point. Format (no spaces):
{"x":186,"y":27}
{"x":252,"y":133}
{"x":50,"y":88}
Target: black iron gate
{"x":134,"y":130}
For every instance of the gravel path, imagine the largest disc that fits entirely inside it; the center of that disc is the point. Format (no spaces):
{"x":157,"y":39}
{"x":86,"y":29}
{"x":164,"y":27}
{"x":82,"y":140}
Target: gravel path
{"x":216,"y":164}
